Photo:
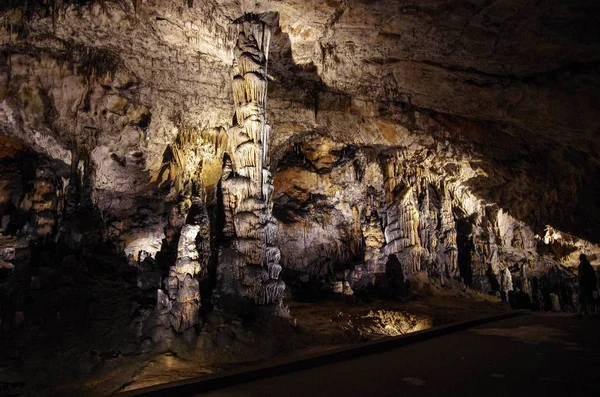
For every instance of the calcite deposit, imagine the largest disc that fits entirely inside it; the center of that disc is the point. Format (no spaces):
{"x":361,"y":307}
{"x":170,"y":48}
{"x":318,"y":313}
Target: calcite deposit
{"x":407,"y":140}
{"x":218,"y":157}
{"x":410,"y":207}
{"x":249,"y":264}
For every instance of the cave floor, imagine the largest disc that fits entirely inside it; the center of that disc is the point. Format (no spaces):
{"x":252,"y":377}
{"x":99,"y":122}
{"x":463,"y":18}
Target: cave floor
{"x":545,"y":354}
{"x":339,"y":321}
{"x":317,"y":327}
{"x":71,"y":343}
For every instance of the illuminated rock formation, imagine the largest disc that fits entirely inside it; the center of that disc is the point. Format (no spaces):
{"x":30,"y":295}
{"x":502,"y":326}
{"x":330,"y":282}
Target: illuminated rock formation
{"x":419,"y":224}
{"x":413,"y":212}
{"x":141,"y":184}
{"x":179,"y":302}
{"x":249,"y":268}
{"x":374,"y":239}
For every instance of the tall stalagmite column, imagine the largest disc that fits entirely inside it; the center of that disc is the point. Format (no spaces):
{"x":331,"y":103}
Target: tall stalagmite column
{"x":249,"y":267}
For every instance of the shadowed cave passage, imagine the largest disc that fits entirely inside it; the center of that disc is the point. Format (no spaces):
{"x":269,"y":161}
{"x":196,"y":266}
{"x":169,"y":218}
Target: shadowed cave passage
{"x":193,"y":187}
{"x":465,"y":247}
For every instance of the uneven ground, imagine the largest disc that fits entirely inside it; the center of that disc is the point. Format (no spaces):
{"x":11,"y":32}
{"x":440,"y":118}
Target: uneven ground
{"x":321,"y":326}
{"x":350,"y":320}
{"x":81,"y":341}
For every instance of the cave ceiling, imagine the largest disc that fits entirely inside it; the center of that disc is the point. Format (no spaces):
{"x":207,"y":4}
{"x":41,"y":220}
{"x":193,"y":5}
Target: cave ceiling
{"x":508,"y":89}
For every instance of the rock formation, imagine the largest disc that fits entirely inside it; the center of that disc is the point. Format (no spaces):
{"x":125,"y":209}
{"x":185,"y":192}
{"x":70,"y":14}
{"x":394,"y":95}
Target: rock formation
{"x":449,"y":141}
{"x":433,"y":138}
{"x":169,"y":169}
{"x":411,"y":210}
{"x":178,"y":303}
{"x":249,"y":267}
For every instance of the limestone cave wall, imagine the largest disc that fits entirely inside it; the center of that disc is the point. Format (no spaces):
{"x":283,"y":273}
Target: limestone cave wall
{"x":349,"y":215}
{"x":353,"y":144}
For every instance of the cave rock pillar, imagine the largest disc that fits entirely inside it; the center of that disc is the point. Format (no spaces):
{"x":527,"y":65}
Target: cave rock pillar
{"x":249,"y":267}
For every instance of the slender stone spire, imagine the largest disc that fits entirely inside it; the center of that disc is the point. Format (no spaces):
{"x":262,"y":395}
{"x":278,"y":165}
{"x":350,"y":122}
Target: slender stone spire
{"x":250,"y":267}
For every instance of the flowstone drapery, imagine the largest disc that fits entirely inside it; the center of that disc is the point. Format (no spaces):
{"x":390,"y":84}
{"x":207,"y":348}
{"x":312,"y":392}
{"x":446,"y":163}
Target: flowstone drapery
{"x":249,"y":266}
{"x":418,"y":222}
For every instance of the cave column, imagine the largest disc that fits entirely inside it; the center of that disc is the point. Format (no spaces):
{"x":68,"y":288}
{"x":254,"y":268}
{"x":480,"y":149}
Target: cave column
{"x":252,"y":268}
{"x":178,"y":304}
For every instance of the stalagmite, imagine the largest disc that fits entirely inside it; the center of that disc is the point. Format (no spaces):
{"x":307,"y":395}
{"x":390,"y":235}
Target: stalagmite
{"x":506,"y":283}
{"x":374,"y":240}
{"x":178,"y":305}
{"x":419,"y":225}
{"x":46,"y":205}
{"x":254,"y":275}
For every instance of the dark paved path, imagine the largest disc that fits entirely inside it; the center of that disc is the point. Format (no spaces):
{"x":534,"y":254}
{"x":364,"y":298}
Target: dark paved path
{"x":531,"y":355}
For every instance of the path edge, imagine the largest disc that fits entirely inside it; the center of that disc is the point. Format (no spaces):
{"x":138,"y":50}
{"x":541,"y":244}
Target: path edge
{"x":204,"y":384}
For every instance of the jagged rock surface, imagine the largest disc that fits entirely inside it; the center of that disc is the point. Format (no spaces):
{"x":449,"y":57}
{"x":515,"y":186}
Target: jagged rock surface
{"x":178,"y":304}
{"x":345,"y":212}
{"x":436,"y":81}
{"x":459,"y":72}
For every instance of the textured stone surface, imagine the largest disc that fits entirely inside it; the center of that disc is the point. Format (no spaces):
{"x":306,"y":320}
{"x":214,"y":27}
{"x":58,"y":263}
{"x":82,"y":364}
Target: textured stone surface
{"x":350,"y":146}
{"x":477,"y":90}
{"x":246,"y":182}
{"x":345,"y":221}
{"x":179,"y":303}
{"x":364,"y":72}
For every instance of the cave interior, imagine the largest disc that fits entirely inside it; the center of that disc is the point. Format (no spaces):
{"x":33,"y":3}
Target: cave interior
{"x":194,"y":180}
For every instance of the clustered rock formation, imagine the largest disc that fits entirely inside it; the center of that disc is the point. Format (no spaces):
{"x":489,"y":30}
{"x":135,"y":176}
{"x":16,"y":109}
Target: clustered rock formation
{"x":406,"y":140}
{"x":365,"y":217}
